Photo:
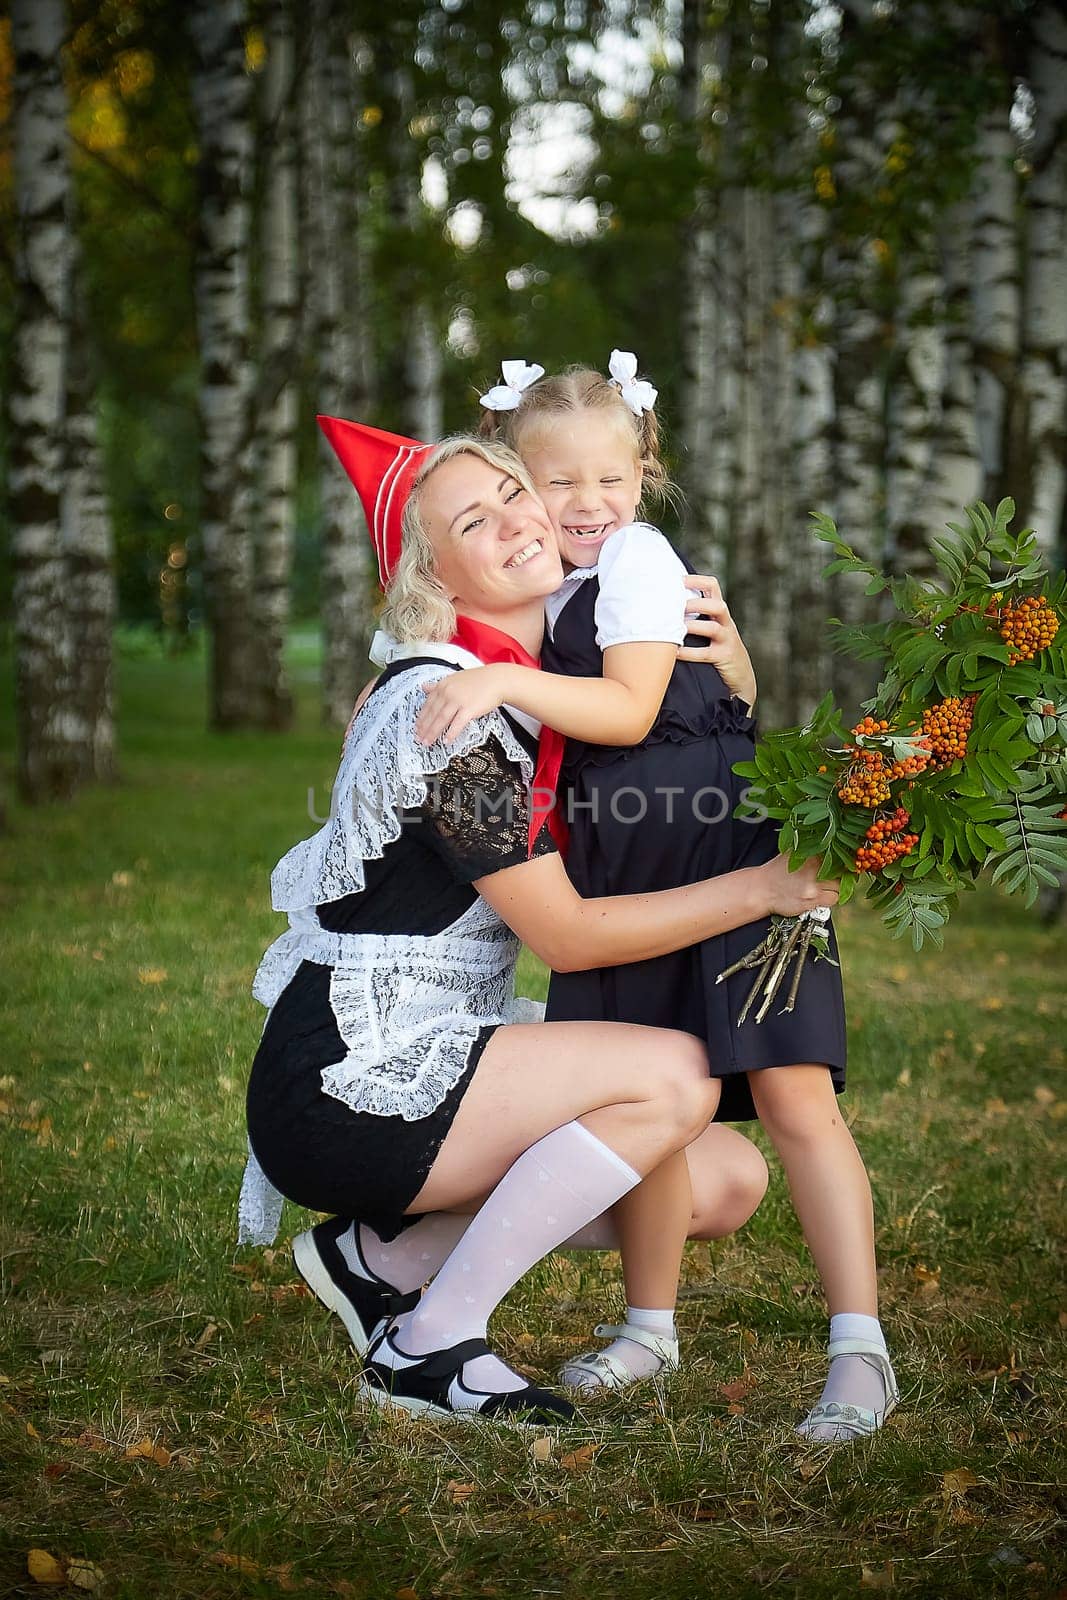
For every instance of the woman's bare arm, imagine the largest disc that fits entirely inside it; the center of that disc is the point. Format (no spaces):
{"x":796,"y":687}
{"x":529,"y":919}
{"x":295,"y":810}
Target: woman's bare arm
{"x":538,"y":902}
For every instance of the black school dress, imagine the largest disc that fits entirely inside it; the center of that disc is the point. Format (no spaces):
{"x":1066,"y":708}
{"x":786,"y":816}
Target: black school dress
{"x":660,"y":815}
{"x":316,"y":1150}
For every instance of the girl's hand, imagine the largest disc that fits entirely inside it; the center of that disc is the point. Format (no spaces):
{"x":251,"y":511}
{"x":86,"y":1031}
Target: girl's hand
{"x":455,"y":701}
{"x":790,"y":893}
{"x":708,"y":615}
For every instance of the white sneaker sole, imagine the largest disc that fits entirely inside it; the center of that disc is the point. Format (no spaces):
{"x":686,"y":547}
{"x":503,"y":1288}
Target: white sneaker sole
{"x":310,"y":1267}
{"x":426,"y":1408}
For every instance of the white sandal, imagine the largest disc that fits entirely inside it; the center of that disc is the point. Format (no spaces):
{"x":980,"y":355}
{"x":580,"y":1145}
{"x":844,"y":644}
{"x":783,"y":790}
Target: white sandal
{"x":854,"y":1422}
{"x":607,"y":1371}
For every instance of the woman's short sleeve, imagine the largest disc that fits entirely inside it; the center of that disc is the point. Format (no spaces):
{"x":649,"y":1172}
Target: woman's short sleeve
{"x":476,"y":815}
{"x":642,"y":593}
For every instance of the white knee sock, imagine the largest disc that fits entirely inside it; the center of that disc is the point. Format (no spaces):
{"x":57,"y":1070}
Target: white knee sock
{"x":413,"y":1256}
{"x":556,"y":1187}
{"x":407,"y":1261}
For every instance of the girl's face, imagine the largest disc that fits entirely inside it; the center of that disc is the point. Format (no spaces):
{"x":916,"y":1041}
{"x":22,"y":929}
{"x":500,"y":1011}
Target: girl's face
{"x":492,"y":539}
{"x":585,"y":468}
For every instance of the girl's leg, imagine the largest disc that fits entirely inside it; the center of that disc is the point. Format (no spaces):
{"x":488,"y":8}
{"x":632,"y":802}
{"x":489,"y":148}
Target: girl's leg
{"x":727,"y":1177}
{"x":640,"y":1094}
{"x":832,"y":1199}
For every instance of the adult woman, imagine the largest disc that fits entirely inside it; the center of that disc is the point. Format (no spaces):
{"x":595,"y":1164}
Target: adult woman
{"x":390,"y":1082}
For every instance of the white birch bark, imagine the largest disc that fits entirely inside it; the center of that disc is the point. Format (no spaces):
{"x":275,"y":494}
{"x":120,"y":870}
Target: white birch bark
{"x":812,"y":385}
{"x":954,"y":473}
{"x":50,"y":726}
{"x":1044,"y":364}
{"x":995,"y":308}
{"x":859,"y":378}
{"x":275,"y":439}
{"x":89,"y":552}
{"x":221,"y":102}
{"x":416,"y":364}
{"x":913,"y":411}
{"x":338,"y":337}
{"x":760,"y":589}
{"x":699,"y":299}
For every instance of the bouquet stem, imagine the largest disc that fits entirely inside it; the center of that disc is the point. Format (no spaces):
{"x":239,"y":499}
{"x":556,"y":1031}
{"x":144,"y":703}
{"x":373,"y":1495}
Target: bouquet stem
{"x":789,"y":941}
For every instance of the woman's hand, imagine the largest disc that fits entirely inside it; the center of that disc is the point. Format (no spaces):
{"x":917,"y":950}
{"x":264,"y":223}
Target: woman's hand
{"x":708,"y":615}
{"x":790,"y":893}
{"x":455,"y":701}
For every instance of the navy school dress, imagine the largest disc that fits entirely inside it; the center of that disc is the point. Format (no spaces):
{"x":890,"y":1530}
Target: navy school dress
{"x":659,"y":815}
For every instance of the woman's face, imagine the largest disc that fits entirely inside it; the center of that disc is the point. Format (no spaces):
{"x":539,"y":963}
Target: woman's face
{"x":492,"y":539}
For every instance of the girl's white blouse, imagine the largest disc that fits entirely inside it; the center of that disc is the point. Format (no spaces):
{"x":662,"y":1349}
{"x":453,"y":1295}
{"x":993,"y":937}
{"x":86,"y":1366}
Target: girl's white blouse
{"x":642,"y":596}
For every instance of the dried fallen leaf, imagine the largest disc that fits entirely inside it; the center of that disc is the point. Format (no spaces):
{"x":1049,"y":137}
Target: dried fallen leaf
{"x":245,"y":1564}
{"x":579,"y":1460}
{"x":406,"y":1594}
{"x":958,"y":1481}
{"x":992,"y":1002}
{"x":929,"y":1278}
{"x":1044,"y":1096}
{"x":460,"y":1493}
{"x":807,"y":1469}
{"x":149,"y":1450}
{"x":32,"y":1431}
{"x":541,"y":1449}
{"x":87,"y":1440}
{"x":206,"y":1337}
{"x":996,"y":1107}
{"x":740,"y":1388}
{"x":56,"y":1469}
{"x":44,"y":1568}
{"x":877,"y":1577}
{"x":151,"y":974}
{"x":84,"y":1574}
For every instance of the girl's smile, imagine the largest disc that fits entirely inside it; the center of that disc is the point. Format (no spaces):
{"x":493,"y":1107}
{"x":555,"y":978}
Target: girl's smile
{"x":588,"y":475}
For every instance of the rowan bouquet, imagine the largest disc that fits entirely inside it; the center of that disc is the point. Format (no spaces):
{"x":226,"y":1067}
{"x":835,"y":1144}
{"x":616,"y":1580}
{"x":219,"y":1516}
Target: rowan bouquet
{"x":958,"y":768}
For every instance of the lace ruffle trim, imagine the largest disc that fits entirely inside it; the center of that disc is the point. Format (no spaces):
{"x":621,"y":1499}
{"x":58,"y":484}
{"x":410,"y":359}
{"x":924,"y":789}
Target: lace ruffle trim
{"x":383,"y":772}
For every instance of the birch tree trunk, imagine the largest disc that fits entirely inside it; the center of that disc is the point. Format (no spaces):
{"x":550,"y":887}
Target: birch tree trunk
{"x":699,"y":299}
{"x":413,"y":388}
{"x":860,"y":349}
{"x":339,"y":338}
{"x":275,"y":438}
{"x":51,"y":734}
{"x":89,"y":552}
{"x":812,"y":468}
{"x":995,"y":275}
{"x":1044,"y":368}
{"x":914,"y":410}
{"x":954,"y":472}
{"x":221,"y":101}
{"x":760,"y":588}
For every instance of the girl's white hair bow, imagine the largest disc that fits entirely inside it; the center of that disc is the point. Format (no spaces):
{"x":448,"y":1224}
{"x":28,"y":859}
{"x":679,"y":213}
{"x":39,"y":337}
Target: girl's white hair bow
{"x":639,"y":395}
{"x":517,"y":377}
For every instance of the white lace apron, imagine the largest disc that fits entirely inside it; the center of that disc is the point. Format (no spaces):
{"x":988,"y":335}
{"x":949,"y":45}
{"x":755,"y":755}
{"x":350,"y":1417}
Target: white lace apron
{"x":408,"y":1007}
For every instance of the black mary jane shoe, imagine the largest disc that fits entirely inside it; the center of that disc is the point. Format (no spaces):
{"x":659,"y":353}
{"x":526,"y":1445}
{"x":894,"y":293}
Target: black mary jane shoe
{"x":433,"y":1386}
{"x":361,"y":1303}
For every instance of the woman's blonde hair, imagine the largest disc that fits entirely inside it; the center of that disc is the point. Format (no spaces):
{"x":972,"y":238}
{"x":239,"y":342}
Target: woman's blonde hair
{"x":582,"y":389}
{"x":416,"y":605}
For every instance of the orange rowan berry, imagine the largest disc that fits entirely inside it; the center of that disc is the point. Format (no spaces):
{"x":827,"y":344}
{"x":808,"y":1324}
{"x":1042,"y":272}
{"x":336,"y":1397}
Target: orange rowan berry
{"x":888,"y":842}
{"x":1027,"y":628}
{"x":865,"y":782}
{"x":945,"y":728}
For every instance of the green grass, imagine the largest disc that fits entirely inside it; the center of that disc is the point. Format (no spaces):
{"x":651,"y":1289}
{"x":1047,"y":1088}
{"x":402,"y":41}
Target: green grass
{"x":132,"y":923}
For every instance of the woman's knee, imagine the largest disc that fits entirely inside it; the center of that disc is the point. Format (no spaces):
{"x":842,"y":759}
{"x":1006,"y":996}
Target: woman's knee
{"x":687,"y":1095}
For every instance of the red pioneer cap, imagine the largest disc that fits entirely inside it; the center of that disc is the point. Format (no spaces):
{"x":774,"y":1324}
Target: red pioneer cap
{"x":383,"y":467}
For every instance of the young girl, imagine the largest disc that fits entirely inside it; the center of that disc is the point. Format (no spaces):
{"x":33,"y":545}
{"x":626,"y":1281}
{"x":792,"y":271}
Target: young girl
{"x":652,"y":740}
